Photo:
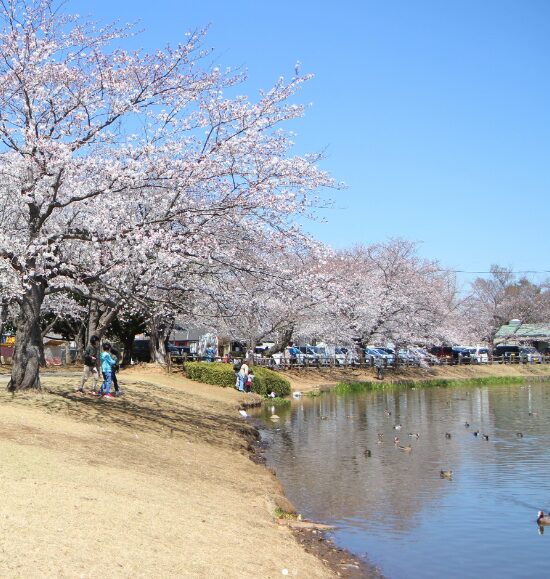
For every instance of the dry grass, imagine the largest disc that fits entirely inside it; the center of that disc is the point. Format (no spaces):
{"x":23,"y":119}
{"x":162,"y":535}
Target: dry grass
{"x":155,"y":484}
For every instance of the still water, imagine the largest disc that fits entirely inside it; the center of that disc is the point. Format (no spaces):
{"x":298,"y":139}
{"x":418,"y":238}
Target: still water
{"x":393,"y":506}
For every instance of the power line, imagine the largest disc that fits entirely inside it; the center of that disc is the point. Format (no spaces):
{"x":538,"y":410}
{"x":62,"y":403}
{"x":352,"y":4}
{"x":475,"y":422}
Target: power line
{"x":498,"y":271}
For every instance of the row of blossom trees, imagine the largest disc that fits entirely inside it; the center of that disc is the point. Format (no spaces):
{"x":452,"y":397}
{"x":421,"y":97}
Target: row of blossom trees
{"x":142,"y":188}
{"x":129,"y":176}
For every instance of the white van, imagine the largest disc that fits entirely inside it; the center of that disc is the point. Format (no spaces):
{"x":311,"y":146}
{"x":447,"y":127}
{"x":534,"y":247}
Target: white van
{"x":479,"y":355}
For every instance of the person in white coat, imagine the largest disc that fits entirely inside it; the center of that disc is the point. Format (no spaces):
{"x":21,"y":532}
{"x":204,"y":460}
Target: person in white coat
{"x":242,"y":376}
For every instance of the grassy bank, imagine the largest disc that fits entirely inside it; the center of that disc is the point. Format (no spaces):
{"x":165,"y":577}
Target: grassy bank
{"x":350,"y":387}
{"x":157,"y":483}
{"x":322,"y":378}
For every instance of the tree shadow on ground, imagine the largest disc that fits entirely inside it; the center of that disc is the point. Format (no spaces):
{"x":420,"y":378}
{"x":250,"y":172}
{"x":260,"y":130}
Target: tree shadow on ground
{"x":146,"y":408}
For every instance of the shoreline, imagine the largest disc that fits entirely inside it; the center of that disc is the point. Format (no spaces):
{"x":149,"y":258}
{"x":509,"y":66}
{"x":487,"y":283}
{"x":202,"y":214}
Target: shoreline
{"x":168,"y":468}
{"x":180,"y":476}
{"x":312,"y":380}
{"x":313,"y":536}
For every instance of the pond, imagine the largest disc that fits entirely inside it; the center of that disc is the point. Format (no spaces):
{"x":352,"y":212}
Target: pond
{"x":393,"y":505}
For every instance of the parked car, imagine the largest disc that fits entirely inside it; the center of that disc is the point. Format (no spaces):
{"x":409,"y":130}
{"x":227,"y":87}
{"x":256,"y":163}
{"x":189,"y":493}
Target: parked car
{"x":409,"y":357}
{"x":374,"y":354}
{"x":307,"y":355}
{"x":389,"y":354}
{"x":479,"y":355}
{"x":425,"y":357}
{"x":344,"y":357}
{"x":523,"y":354}
{"x":452,"y":354}
{"x":177,"y":352}
{"x":510,"y":353}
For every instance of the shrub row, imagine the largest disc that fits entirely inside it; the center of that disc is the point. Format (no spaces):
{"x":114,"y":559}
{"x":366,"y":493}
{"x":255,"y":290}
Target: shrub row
{"x":265,"y":380}
{"x":211,"y":373}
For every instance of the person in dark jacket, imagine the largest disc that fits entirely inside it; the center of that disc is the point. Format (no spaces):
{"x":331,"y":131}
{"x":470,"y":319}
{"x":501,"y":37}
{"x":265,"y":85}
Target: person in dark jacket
{"x":116,"y":354}
{"x":90,"y":365}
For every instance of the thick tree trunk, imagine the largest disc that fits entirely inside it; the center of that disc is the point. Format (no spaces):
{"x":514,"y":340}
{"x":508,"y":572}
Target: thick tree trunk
{"x":80,"y":342}
{"x":282,"y":342}
{"x":3,"y":315}
{"x":28,"y":342}
{"x":99,"y":318}
{"x":159,"y":330}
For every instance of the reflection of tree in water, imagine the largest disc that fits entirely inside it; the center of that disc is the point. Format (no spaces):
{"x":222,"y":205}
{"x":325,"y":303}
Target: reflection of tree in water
{"x":321,"y":459}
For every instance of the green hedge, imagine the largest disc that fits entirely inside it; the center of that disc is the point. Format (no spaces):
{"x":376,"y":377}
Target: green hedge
{"x":265,"y":380}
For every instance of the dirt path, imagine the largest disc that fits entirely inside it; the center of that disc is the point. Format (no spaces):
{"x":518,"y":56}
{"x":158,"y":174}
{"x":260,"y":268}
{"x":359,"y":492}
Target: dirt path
{"x":157,"y":483}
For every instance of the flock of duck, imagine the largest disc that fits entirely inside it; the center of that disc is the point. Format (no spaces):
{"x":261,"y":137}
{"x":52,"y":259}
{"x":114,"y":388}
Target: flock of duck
{"x":542,"y":519}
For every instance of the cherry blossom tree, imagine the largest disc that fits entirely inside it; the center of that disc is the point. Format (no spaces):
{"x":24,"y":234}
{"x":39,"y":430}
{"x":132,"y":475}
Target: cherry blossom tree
{"x":500,"y":297}
{"x":105,"y":152}
{"x":277,"y":295}
{"x":389,"y":294}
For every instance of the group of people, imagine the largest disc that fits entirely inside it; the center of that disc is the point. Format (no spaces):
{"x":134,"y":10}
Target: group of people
{"x":244,"y":376}
{"x":109,"y":364}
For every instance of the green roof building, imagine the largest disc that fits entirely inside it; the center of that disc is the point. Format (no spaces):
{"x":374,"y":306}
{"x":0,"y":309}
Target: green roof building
{"x":515,"y":332}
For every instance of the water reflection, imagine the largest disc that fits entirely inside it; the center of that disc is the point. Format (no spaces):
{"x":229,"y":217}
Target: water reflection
{"x":339,"y":464}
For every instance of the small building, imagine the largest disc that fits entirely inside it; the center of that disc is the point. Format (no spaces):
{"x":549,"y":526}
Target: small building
{"x":186,"y":338}
{"x":537,"y":335}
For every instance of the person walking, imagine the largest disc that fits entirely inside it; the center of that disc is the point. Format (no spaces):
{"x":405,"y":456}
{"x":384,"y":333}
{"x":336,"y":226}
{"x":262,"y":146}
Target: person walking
{"x":107,"y":363}
{"x":90,"y":365}
{"x":242,"y":376}
{"x":116,"y":355}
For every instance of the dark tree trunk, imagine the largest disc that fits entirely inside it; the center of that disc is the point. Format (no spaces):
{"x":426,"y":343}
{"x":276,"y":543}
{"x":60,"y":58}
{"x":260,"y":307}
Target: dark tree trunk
{"x":99,"y":318}
{"x":159,"y":330}
{"x":28,"y":342}
{"x":80,"y":342}
{"x":284,"y":340}
{"x":3,"y":315}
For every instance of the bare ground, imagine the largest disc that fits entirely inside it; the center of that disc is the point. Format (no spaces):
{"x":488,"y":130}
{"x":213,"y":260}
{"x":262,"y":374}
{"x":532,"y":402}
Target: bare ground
{"x":157,"y":483}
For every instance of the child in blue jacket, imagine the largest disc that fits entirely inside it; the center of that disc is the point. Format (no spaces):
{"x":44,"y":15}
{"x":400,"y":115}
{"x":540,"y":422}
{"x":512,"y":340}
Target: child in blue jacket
{"x":107,"y":363}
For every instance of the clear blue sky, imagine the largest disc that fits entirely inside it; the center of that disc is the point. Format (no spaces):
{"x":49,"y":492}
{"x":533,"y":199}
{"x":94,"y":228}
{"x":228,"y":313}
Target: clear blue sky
{"x":435,"y":113}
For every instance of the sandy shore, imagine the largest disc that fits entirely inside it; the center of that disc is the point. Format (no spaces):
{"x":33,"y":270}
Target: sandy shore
{"x":158,"y":483}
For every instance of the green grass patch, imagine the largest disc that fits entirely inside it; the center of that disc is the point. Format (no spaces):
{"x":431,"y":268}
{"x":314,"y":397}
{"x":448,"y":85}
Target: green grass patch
{"x":280,"y":514}
{"x":219,"y":374}
{"x":353,"y":387}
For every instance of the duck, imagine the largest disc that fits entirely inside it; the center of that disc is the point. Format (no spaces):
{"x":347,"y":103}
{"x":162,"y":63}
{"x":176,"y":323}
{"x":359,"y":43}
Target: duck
{"x":387,"y":412}
{"x":543,"y":519}
{"x":467,"y":424}
{"x":397,"y":427}
{"x":446,"y":474}
{"x":396,"y":440}
{"x":447,"y":435}
{"x":367,"y":452}
{"x":380,"y":438}
{"x":407,"y":448}
{"x":476,"y":433}
{"x":485,"y":437}
{"x":533,"y":413}
{"x":414,"y":435}
{"x":519,"y":434}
